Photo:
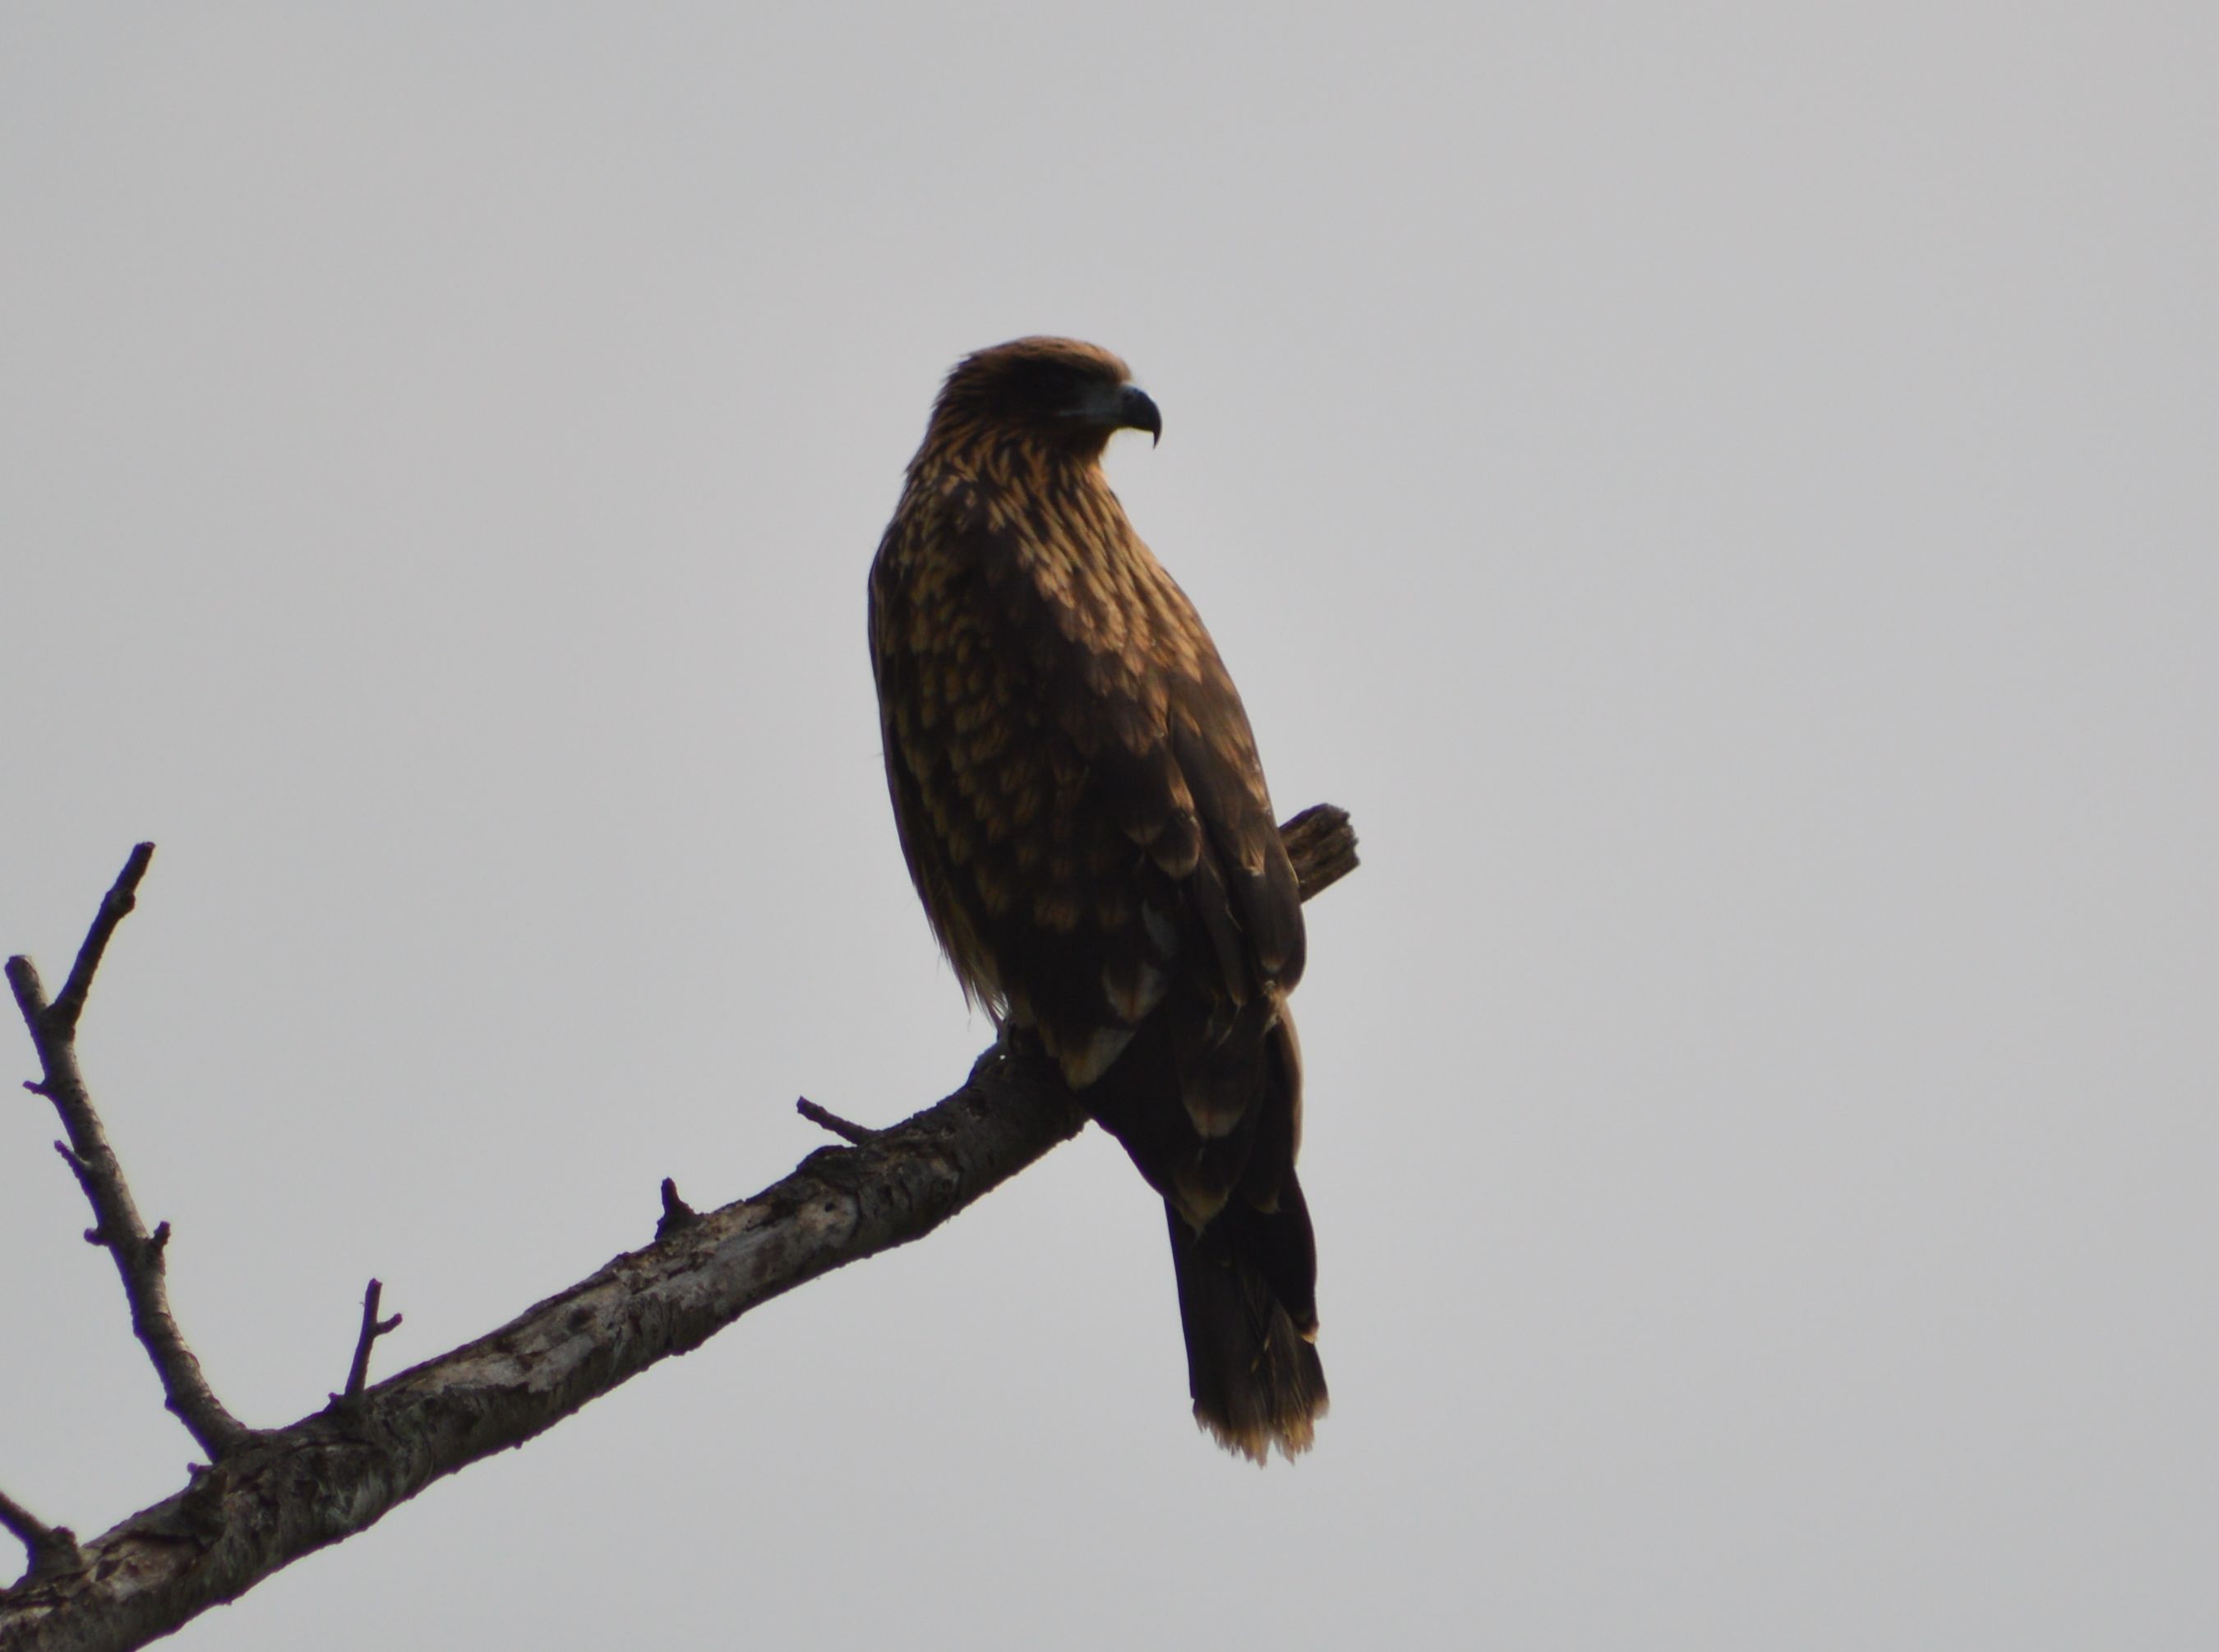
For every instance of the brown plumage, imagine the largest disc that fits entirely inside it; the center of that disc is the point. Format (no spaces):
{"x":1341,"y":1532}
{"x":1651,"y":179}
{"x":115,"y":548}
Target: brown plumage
{"x":1080,"y":802}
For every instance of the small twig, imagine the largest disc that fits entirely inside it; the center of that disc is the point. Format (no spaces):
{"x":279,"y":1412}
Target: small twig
{"x":52,"y":1548}
{"x":115,"y":907}
{"x":372,"y":1329}
{"x":82,"y":1171}
{"x":860,"y":1134}
{"x":677,"y":1215}
{"x":116,"y":1224}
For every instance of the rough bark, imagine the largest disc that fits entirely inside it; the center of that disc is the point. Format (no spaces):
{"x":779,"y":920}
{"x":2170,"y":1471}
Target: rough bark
{"x":270,"y":1497}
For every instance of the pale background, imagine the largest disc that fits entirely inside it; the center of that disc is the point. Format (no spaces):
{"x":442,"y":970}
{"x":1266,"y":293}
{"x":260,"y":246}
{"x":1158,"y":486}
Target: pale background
{"x":1725,"y":495}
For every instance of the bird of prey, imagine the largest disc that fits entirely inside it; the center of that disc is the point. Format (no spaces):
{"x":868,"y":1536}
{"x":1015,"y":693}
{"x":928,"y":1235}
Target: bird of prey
{"x":1086,"y":819}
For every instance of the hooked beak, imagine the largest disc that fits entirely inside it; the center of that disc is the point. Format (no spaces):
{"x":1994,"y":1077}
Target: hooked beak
{"x":1107,"y":408}
{"x":1136,"y":410}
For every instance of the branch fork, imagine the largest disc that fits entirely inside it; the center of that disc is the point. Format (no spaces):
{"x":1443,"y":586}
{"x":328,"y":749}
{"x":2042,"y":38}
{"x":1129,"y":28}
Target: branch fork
{"x":271,"y":1496}
{"x":372,"y":1329}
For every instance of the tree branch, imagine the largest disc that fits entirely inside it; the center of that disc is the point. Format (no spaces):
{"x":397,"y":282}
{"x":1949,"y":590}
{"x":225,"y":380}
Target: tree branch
{"x":115,"y":907}
{"x":676,"y":1213}
{"x":1322,"y":845}
{"x":372,"y":1329}
{"x":53,"y":1547}
{"x":285,"y":1492}
{"x":856,"y":1134}
{"x":139,"y":1254}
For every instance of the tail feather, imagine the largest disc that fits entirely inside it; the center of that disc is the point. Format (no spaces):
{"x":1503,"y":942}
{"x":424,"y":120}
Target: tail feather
{"x":1240,"y":1234}
{"x":1254,"y":1375}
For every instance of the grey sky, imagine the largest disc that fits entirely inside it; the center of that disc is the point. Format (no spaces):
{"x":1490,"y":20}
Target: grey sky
{"x":1726,"y":497}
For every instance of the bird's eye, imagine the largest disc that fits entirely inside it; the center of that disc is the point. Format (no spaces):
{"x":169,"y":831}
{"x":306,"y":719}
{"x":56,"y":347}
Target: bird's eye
{"x":1055,"y":388}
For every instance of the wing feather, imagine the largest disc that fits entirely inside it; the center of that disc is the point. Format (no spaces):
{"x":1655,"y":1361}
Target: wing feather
{"x":1079,"y":796}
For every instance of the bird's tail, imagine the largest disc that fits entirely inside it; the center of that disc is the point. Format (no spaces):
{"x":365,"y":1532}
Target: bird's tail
{"x":1250,"y":1365}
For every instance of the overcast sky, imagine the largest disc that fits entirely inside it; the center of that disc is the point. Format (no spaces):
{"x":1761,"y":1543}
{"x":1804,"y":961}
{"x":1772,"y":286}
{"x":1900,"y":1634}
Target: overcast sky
{"x":1725,"y":496}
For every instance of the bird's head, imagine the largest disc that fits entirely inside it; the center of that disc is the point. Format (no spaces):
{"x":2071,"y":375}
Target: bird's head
{"x":1058,"y":393}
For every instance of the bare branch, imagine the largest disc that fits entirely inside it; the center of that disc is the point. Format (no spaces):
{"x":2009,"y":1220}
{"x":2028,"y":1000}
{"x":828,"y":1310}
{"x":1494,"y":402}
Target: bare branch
{"x":139,"y":1254}
{"x":115,"y":907}
{"x":372,"y":1329}
{"x":1322,"y":845}
{"x":856,"y":1134}
{"x":285,"y":1492}
{"x":676,"y":1213}
{"x":53,"y":1547}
